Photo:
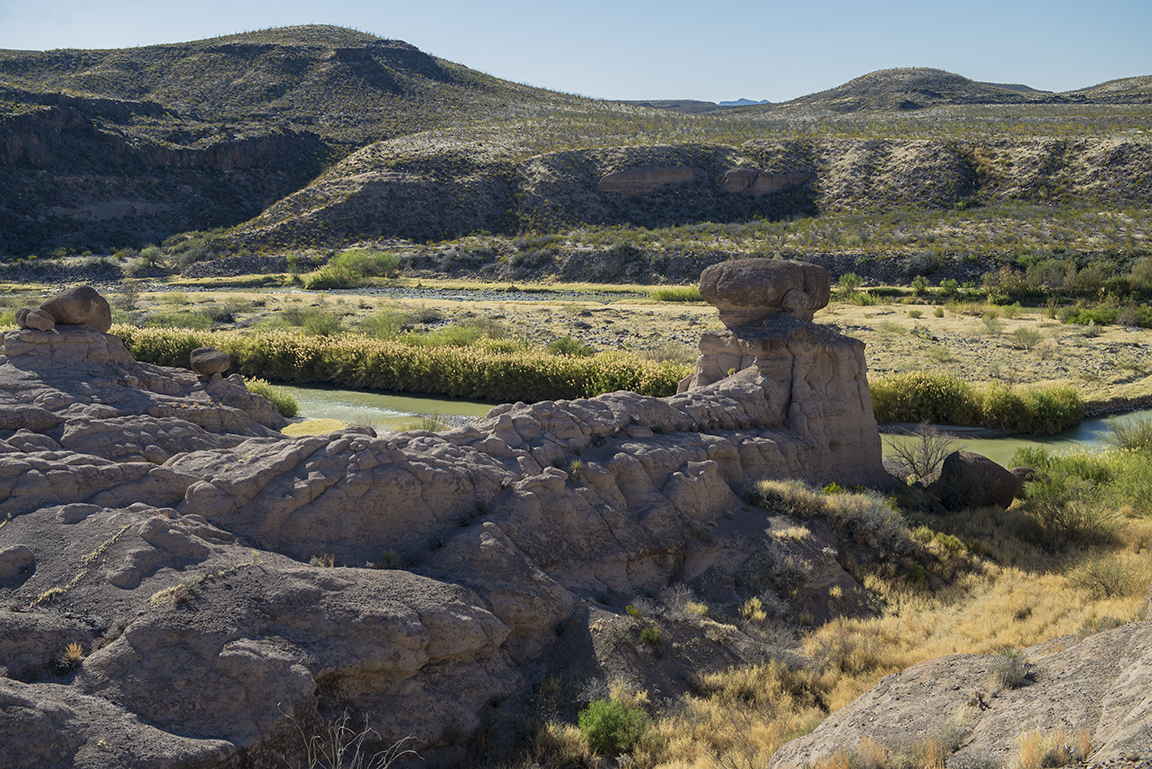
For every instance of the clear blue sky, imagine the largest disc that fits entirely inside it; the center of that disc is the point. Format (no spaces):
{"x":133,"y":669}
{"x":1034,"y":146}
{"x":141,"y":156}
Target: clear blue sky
{"x":719,"y":50}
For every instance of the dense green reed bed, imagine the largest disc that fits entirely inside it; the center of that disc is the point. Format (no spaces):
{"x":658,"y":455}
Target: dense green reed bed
{"x":477,"y":371}
{"x":943,"y":399}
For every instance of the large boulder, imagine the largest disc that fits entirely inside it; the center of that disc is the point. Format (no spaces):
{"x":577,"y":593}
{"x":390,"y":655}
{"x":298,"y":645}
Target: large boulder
{"x":968,"y":479}
{"x":208,"y":361}
{"x":80,"y":305}
{"x":753,"y":290}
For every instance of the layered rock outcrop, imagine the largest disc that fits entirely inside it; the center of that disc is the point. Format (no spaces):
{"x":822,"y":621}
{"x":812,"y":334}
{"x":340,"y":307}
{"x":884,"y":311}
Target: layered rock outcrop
{"x":1099,"y":686}
{"x":216,"y":572}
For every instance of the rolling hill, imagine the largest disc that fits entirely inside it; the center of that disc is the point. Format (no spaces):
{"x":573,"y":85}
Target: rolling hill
{"x":320,"y":136}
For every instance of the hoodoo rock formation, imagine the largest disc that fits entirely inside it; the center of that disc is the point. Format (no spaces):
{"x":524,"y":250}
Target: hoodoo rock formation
{"x":814,"y":378}
{"x":215,"y":572}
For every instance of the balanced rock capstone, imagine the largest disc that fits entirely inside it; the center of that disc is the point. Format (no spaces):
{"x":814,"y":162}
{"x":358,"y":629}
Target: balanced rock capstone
{"x":80,"y":305}
{"x":208,"y":361}
{"x":751,"y":290}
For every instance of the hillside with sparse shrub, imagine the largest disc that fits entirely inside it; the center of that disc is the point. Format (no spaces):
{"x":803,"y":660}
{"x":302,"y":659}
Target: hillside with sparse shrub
{"x":321,"y":137}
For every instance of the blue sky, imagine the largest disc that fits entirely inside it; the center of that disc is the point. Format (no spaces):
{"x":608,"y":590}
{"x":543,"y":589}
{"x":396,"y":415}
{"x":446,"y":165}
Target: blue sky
{"x":724,"y":49}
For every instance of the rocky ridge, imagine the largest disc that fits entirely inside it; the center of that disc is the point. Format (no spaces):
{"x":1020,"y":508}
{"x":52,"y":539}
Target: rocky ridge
{"x":214,"y":574}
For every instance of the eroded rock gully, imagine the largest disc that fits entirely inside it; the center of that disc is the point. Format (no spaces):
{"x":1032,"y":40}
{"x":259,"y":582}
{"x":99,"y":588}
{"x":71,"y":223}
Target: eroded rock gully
{"x":215,"y":572}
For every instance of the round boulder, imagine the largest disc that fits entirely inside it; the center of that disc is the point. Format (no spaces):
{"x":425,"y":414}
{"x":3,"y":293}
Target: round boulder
{"x":751,"y":290}
{"x":38,"y":320}
{"x":208,"y":361}
{"x":81,"y":305}
{"x":968,"y":479}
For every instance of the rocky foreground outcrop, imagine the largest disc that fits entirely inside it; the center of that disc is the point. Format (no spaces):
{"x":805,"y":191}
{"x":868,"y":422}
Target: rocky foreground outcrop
{"x":215,"y":576}
{"x":1097,"y":690}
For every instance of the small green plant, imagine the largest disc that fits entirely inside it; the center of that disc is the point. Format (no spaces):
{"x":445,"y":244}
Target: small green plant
{"x":284,"y":403}
{"x":325,"y":561}
{"x":651,"y":636}
{"x":633,"y":612}
{"x":567,"y":345}
{"x":1010,"y":669}
{"x":611,"y":728}
{"x":915,"y":314}
{"x":387,"y":558}
{"x":575,"y":467}
{"x":938,"y":312}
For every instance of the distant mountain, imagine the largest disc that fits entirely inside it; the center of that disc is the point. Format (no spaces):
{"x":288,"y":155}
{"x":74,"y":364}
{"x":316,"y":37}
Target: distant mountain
{"x":898,"y":90}
{"x":1129,"y":90}
{"x":685,"y":106}
{"x":743,"y":103}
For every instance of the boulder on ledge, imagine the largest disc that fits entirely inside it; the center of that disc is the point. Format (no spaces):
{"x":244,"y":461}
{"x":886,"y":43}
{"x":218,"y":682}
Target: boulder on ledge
{"x":751,"y":290}
{"x":208,"y":361}
{"x":80,"y":305}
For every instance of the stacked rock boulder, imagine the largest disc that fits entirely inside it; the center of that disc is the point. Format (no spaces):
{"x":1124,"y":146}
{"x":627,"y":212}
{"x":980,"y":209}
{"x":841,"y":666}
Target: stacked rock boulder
{"x":814,"y":378}
{"x":214,"y":571}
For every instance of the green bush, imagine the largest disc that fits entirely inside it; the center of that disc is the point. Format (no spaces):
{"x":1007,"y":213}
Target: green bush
{"x":943,"y":399}
{"x":352,"y":268}
{"x":922,"y":397}
{"x":610,"y":728}
{"x":284,"y":403}
{"x":568,"y":345}
{"x":676,"y":294}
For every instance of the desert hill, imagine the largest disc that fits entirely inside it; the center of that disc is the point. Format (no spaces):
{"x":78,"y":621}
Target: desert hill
{"x":318,"y":135}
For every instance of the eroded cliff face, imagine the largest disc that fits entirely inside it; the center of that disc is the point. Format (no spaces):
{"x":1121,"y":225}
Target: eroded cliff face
{"x":219,"y":575}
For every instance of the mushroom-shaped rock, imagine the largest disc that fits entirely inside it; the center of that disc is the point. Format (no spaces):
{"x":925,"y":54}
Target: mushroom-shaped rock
{"x":37,"y":320}
{"x":968,"y":479}
{"x":208,"y":361}
{"x":750,"y":290}
{"x":81,"y":305}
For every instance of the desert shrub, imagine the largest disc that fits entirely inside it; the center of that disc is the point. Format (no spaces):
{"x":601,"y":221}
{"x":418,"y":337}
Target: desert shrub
{"x":447,"y":336}
{"x":1132,"y":436}
{"x":568,"y":345}
{"x":923,"y":455}
{"x":352,"y":268}
{"x":1105,"y":576}
{"x":1026,"y":338}
{"x":924,"y":397}
{"x":195,"y":320}
{"x":284,"y":403}
{"x":1010,"y":669}
{"x":869,"y":518}
{"x":611,"y":728}
{"x":386,"y":323}
{"x":676,"y":294}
